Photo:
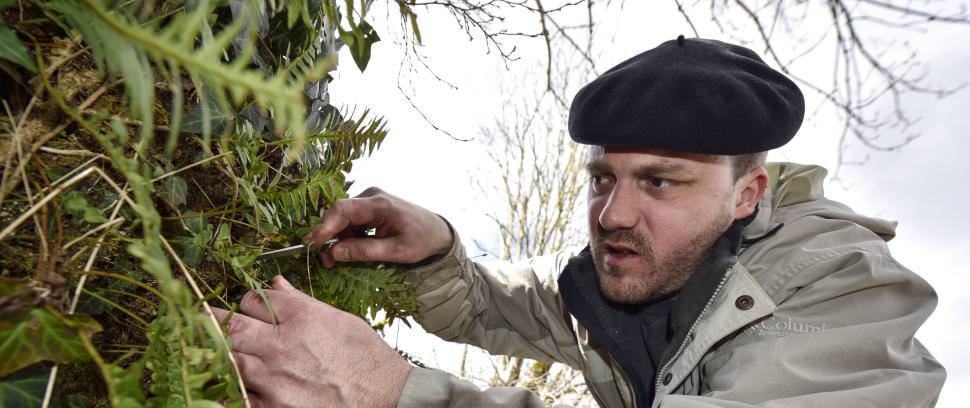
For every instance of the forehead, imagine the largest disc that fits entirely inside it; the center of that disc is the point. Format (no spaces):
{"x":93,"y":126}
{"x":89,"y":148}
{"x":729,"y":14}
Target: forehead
{"x":599,"y":155}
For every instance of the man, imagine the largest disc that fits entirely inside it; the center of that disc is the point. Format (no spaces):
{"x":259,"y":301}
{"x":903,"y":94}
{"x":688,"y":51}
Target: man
{"x":709,"y":280}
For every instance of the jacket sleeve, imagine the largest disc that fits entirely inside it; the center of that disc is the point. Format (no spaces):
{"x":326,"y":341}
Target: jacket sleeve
{"x":842,"y":335}
{"x":428,"y":388}
{"x":509,"y":309}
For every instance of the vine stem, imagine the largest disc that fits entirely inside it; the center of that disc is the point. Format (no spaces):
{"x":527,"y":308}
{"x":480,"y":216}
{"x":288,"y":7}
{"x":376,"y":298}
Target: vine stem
{"x":212,"y":318}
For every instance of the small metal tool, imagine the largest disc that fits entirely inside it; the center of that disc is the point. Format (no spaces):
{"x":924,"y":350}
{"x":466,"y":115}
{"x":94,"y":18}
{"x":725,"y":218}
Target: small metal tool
{"x":296,"y":250}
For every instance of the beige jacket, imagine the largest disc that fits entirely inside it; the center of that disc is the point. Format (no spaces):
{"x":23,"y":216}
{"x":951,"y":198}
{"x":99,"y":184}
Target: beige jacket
{"x":817,"y":313}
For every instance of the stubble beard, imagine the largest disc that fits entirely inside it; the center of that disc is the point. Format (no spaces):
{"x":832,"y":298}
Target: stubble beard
{"x":664,"y":278}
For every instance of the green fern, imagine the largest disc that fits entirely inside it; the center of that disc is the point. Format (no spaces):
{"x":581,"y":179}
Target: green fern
{"x":173,"y":47}
{"x":237,"y":69}
{"x":363,"y":290}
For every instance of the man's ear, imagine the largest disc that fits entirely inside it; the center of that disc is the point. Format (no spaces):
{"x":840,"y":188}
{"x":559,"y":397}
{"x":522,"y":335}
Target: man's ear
{"x":748,"y":192}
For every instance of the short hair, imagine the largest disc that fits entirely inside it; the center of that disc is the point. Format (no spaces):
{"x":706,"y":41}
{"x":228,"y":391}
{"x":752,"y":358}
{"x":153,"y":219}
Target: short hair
{"x":741,"y":164}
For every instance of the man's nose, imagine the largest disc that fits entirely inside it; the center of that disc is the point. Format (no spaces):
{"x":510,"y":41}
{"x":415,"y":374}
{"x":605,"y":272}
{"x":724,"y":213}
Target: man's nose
{"x":620,"y":211}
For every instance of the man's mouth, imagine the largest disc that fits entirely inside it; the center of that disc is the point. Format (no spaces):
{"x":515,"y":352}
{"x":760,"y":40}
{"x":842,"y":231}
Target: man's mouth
{"x":619,"y":249}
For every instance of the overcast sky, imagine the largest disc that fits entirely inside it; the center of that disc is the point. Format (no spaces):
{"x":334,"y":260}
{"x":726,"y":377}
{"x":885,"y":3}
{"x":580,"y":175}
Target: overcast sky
{"x":923,"y":186}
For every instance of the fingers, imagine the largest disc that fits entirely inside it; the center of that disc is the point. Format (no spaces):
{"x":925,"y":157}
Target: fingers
{"x":280,"y":283}
{"x":253,"y":371}
{"x":248,"y":335}
{"x":220,"y":314}
{"x":252,"y":304}
{"x":285,"y":301}
{"x":256,"y":402}
{"x":369,"y":250}
{"x":354,"y":212}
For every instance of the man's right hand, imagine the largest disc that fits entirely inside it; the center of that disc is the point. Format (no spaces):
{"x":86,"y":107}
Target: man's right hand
{"x":405,"y":233}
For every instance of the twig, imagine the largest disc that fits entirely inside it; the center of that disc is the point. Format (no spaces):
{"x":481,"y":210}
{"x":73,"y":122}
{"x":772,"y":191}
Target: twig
{"x":108,"y":224}
{"x":959,"y":19}
{"x":72,"y":152}
{"x":683,"y":13}
{"x":198,"y":163}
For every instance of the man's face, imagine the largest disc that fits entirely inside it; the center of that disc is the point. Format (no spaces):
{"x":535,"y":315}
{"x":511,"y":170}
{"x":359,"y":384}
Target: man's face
{"x":653,"y":216}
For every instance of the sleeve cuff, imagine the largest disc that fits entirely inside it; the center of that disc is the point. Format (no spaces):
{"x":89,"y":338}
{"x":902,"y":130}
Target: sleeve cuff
{"x":439,"y":268}
{"x":426,"y":387}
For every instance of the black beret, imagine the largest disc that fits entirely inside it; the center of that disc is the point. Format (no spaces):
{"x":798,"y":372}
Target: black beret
{"x":689,"y":95}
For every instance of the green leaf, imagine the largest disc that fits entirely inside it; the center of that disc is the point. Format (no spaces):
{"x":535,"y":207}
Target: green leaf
{"x":24,"y":389}
{"x":205,"y":404}
{"x":194,"y":120}
{"x":174,"y":190}
{"x":195,"y":246}
{"x":13,"y":50}
{"x":124,"y":385}
{"x":42,"y":334}
{"x":76,"y":204}
{"x":359,"y":40}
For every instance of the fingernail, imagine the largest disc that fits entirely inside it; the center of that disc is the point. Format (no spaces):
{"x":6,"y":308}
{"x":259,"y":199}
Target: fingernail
{"x":309,"y":238}
{"x":341,"y":253}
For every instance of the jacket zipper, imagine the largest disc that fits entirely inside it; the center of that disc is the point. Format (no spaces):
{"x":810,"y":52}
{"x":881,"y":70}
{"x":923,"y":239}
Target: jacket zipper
{"x":690,"y":333}
{"x":614,"y":366}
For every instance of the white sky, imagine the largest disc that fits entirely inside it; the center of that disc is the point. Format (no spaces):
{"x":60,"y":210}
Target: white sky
{"x":923,"y":186}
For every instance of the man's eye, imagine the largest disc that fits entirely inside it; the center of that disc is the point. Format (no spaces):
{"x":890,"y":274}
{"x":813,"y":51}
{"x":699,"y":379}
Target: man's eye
{"x":599,"y":183}
{"x":660,"y":182}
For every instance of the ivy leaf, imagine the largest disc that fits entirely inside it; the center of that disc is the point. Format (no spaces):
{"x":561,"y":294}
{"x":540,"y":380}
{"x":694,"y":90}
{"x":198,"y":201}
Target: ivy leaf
{"x":195,"y":246}
{"x":254,"y":116}
{"x":359,"y":40}
{"x":13,"y":50}
{"x":24,"y":389}
{"x":42,"y":334}
{"x":76,"y":204}
{"x":174,"y":190}
{"x":194,"y":120}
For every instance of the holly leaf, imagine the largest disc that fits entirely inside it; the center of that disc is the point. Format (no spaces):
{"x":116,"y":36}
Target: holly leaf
{"x":42,"y":334}
{"x":13,"y":50}
{"x":24,"y":389}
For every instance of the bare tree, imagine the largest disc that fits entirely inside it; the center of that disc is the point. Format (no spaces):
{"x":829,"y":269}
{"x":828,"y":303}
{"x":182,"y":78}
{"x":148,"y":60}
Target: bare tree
{"x":872,"y":70}
{"x":537,"y":199}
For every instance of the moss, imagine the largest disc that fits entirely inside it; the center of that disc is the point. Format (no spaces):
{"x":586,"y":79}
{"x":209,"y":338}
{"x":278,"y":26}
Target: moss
{"x":80,"y":385}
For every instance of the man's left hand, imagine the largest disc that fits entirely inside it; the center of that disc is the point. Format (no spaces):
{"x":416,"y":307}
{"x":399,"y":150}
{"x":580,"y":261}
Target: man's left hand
{"x":315,"y":356}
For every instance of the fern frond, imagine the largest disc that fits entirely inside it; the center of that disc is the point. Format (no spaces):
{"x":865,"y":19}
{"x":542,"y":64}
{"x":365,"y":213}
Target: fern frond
{"x":342,"y":141}
{"x":364,"y":289}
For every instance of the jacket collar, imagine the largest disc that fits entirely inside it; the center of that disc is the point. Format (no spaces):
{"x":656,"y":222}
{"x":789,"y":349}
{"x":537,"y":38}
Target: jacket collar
{"x":788,"y":184}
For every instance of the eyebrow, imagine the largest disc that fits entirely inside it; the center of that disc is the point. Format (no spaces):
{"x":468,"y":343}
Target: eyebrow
{"x":597,"y":166}
{"x":662,"y":168}
{"x":644,"y":171}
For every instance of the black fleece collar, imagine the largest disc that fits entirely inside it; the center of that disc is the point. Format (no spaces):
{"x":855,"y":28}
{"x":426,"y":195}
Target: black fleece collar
{"x":642,"y":338}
